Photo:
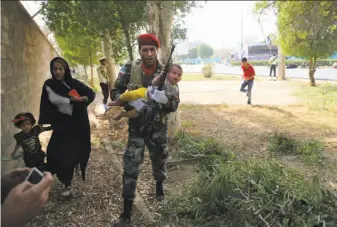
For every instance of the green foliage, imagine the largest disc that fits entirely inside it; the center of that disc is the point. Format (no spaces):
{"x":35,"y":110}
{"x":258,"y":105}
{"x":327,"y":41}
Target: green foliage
{"x":321,"y":62}
{"x":205,"y":51}
{"x":180,"y":10}
{"x":308,"y":29}
{"x":178,"y":32}
{"x":78,"y":49}
{"x":192,"y":53}
{"x":281,"y":144}
{"x":309,"y":151}
{"x":207,"y":71}
{"x":229,"y":192}
{"x":120,"y":20}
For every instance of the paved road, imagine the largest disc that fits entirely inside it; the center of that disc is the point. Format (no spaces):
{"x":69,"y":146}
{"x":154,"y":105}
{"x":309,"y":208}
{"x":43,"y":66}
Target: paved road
{"x":321,"y":74}
{"x":227,"y":92}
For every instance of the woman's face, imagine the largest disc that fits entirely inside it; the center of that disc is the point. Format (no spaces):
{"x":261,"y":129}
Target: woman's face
{"x":58,"y":71}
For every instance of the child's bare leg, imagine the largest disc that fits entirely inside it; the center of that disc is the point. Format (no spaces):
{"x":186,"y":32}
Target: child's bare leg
{"x":130,"y":114}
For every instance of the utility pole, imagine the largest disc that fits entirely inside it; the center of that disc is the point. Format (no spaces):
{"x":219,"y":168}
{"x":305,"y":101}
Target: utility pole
{"x":241,"y":47}
{"x":281,"y":71}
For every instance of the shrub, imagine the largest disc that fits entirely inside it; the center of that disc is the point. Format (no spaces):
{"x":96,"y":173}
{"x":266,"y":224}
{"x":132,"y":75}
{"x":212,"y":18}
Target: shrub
{"x":193,"y":147}
{"x":207,"y":71}
{"x":252,"y":193}
{"x":308,"y":151}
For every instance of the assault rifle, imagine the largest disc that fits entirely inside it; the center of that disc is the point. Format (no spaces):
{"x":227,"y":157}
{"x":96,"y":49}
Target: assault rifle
{"x":165,"y":70}
{"x":163,"y":75}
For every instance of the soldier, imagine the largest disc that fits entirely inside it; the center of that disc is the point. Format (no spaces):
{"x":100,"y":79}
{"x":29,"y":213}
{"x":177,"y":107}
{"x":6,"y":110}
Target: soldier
{"x":154,"y":135}
{"x":103,"y":80}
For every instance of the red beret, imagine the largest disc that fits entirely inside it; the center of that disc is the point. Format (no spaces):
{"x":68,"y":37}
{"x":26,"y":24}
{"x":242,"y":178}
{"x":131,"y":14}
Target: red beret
{"x":148,"y":39}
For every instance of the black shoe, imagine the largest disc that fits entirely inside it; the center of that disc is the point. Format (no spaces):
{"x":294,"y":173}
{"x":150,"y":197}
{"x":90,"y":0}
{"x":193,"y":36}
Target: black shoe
{"x":249,"y":103}
{"x":125,"y":218}
{"x":121,"y":221}
{"x":160,"y":196}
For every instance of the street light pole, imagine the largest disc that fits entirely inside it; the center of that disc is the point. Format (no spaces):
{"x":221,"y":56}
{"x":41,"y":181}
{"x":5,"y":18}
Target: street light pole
{"x":241,"y":49}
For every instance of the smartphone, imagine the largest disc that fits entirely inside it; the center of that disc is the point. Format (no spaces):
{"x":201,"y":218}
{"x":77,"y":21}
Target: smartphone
{"x":35,"y":176}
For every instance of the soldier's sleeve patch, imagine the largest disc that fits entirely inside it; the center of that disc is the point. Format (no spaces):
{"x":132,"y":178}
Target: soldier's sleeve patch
{"x":122,"y":71}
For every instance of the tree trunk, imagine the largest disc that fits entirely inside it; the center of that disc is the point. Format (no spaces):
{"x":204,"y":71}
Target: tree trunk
{"x":126,"y":32}
{"x":312,"y":70}
{"x":160,"y":18}
{"x":91,"y":69}
{"x":281,"y":64}
{"x":128,"y":42}
{"x":109,"y":61}
{"x":85,"y":73}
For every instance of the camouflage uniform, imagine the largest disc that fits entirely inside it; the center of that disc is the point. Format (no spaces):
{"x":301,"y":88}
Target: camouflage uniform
{"x":141,"y":132}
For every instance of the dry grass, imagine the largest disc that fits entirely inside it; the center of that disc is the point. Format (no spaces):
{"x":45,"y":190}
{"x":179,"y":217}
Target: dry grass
{"x":246,"y":130}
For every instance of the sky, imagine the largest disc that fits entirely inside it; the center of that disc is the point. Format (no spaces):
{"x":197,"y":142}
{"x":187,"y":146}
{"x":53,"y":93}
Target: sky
{"x":217,"y":23}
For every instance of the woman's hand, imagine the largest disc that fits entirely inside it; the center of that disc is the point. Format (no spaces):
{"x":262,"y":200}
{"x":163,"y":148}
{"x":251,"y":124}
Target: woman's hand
{"x":79,"y":99}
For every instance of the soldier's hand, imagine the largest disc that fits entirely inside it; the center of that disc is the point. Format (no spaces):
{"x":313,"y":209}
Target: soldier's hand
{"x":160,"y":97}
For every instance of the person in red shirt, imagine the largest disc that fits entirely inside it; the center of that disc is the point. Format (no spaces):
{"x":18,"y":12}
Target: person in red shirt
{"x":248,"y":79}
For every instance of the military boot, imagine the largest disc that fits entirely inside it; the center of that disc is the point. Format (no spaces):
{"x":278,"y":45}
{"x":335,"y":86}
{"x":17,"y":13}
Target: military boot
{"x":125,"y":218}
{"x":160,"y":196}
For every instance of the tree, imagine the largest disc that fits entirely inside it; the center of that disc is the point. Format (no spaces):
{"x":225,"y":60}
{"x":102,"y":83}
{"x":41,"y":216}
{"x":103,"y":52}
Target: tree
{"x":116,"y":23}
{"x":133,"y":19}
{"x":261,"y":8}
{"x":308,"y":30}
{"x":179,"y":33}
{"x":79,"y":50}
{"x":193,"y":53}
{"x":72,"y":31}
{"x":160,"y":19}
{"x":205,"y":51}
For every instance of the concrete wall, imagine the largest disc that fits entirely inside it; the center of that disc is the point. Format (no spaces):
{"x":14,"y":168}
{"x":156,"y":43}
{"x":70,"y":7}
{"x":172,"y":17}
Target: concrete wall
{"x":25,"y":57}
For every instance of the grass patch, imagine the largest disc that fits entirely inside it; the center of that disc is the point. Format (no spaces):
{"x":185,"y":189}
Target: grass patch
{"x":321,"y":98}
{"x":193,"y":147}
{"x":254,"y":192}
{"x":187,"y":124}
{"x":118,"y":144}
{"x":309,"y":151}
{"x":200,"y":77}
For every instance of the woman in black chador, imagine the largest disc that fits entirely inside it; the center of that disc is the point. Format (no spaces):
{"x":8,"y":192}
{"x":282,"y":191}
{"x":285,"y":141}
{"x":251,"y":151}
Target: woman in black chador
{"x":63,"y":105}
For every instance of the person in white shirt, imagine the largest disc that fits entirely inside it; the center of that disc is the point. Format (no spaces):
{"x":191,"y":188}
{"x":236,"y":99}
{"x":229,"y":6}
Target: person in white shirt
{"x":273,"y":63}
{"x":102,"y":73}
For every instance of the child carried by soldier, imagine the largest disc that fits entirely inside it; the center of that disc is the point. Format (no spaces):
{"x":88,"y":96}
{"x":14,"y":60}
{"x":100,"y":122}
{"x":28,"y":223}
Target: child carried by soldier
{"x":173,"y":77}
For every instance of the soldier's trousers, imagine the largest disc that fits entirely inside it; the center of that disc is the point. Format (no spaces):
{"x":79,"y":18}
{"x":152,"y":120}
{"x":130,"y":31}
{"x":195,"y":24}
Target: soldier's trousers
{"x":134,"y":155}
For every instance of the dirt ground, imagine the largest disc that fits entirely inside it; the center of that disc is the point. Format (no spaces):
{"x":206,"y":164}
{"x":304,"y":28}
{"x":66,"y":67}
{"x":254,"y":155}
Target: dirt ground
{"x":265,"y":92}
{"x":244,"y":129}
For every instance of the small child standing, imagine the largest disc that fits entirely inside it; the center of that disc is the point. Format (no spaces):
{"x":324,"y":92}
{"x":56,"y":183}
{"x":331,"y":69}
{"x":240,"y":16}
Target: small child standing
{"x":28,"y":139}
{"x":173,"y":77}
{"x":248,"y":79}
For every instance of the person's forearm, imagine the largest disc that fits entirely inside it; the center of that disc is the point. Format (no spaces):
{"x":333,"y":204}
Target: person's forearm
{"x":8,"y":221}
{"x":16,"y":148}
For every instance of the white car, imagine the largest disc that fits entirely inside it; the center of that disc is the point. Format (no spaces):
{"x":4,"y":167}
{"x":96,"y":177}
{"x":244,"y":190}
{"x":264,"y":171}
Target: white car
{"x":334,"y":66}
